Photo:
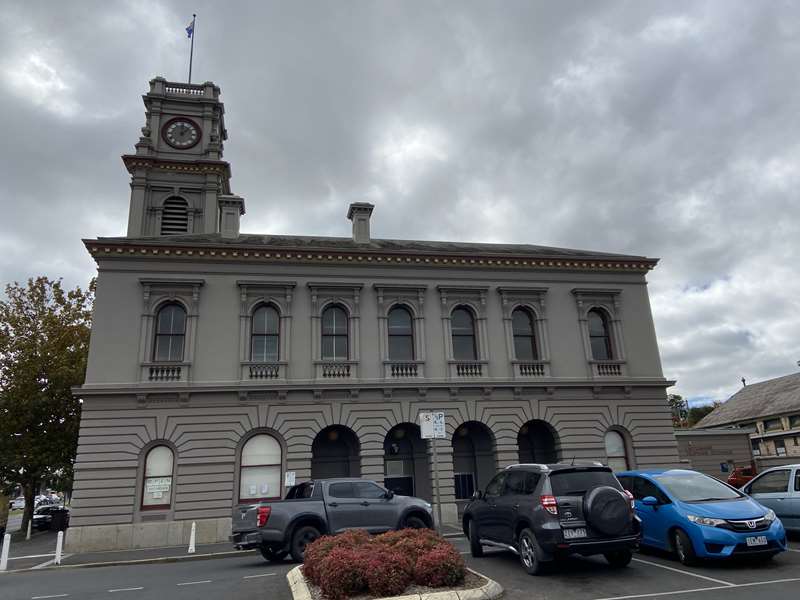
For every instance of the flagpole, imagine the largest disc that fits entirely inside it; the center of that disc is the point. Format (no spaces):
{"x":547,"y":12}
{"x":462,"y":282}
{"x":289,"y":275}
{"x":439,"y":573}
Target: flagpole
{"x":191,"y":48}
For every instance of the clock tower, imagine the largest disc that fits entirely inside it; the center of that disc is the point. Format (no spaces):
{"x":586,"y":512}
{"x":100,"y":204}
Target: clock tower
{"x":179,"y":182}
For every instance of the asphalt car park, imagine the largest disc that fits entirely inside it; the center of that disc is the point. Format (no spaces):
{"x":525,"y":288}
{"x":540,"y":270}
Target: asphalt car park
{"x":651,"y":574}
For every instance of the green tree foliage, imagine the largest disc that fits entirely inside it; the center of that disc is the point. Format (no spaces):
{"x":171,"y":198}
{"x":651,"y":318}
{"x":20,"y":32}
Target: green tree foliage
{"x":680,"y":410}
{"x":696,"y":413}
{"x":44,"y":343}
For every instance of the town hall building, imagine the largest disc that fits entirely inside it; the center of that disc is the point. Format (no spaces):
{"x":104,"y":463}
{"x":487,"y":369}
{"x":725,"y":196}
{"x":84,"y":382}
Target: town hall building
{"x":225,"y":365}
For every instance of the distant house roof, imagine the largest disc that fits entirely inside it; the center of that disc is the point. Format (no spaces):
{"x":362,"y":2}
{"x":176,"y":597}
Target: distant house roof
{"x":756,"y":401}
{"x":306,"y":243}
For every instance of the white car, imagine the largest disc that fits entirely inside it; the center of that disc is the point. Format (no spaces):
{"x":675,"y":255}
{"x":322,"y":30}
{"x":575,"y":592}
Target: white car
{"x":18,"y":503}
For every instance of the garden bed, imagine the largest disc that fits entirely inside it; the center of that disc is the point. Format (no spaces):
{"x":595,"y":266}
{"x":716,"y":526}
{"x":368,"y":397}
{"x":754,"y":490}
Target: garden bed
{"x":412,"y":562}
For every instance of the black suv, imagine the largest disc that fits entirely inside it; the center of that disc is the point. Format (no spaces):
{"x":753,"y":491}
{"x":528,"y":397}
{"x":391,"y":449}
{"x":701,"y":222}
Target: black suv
{"x":542,"y":512}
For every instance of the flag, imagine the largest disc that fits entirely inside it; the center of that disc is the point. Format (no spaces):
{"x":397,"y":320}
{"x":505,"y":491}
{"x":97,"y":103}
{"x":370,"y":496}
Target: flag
{"x":190,"y":29}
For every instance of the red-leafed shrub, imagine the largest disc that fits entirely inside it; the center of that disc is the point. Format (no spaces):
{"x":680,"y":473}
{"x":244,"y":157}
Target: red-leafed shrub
{"x":318,"y":550}
{"x":389,"y":572}
{"x":441,"y":566}
{"x":343,"y":573}
{"x":354,"y":563}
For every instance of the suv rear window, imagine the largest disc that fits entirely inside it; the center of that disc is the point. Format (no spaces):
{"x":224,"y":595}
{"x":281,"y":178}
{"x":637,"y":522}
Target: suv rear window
{"x":577,"y":483}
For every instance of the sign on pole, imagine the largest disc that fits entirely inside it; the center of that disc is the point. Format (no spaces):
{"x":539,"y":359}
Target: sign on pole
{"x":432,"y":428}
{"x":432,"y":425}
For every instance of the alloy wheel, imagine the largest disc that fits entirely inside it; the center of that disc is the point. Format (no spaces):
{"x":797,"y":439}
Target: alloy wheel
{"x":527,"y":552}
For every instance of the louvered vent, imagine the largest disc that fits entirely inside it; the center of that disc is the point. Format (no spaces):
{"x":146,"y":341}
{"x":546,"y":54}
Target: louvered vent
{"x":174,"y":217}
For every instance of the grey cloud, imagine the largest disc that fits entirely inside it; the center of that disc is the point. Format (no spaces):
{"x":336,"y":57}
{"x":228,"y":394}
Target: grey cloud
{"x":662,"y":129}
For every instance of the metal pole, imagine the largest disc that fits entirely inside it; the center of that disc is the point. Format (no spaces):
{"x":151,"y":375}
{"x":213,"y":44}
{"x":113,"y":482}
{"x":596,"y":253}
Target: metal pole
{"x":191,"y":47}
{"x":4,"y":555}
{"x":30,"y":522}
{"x":435,"y":443}
{"x":59,"y":546}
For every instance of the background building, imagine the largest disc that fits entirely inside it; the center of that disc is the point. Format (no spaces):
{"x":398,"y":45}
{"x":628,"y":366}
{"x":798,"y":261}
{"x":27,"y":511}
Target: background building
{"x":223,"y":364}
{"x":771,"y":411}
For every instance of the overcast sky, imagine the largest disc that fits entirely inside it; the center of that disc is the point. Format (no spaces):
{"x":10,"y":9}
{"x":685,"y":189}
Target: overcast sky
{"x":669,"y":129}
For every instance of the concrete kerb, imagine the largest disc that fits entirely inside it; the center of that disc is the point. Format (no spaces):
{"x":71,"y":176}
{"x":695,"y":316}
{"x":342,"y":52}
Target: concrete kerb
{"x":140,"y":561}
{"x":489,"y":591}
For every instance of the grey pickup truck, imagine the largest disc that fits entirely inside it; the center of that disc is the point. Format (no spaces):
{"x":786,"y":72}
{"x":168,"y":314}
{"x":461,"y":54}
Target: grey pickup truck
{"x":323,"y":506}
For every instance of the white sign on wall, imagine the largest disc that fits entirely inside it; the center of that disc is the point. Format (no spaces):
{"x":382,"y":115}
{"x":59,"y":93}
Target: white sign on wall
{"x":289,"y":479}
{"x":431,"y":425}
{"x":155,"y":485}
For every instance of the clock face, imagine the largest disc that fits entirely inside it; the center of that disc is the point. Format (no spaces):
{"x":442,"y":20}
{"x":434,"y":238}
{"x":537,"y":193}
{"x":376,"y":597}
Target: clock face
{"x":181,"y":133}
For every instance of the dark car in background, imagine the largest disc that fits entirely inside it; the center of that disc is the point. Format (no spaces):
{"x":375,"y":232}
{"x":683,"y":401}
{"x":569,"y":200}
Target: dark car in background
{"x":46,"y":515}
{"x":544,"y":512}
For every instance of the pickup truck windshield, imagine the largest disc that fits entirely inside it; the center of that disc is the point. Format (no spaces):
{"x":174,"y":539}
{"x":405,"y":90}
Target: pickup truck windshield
{"x":696,"y":487}
{"x":577,"y":483}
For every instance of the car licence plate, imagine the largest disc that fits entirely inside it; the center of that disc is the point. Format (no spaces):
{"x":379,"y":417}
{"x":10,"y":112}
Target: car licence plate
{"x":578,"y":532}
{"x":758,"y":540}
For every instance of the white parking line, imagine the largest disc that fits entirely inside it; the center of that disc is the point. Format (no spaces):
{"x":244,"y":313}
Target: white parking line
{"x":195,"y":582}
{"x":793,"y":550}
{"x":53,"y":596}
{"x":262,"y":575}
{"x":126,"y":589}
{"x":681,"y":571}
{"x":707,"y":589}
{"x":31,"y":556}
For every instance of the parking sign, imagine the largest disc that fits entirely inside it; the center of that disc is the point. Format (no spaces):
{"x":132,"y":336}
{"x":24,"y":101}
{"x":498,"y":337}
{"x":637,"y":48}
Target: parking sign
{"x":431,"y":425}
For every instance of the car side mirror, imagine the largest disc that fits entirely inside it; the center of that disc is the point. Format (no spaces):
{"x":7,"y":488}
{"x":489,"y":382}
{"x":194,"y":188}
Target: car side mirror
{"x":650,"y":501}
{"x":477,"y":495}
{"x":389,"y":494}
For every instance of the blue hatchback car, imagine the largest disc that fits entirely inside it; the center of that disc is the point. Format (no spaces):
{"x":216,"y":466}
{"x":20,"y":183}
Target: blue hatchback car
{"x":697,"y":516}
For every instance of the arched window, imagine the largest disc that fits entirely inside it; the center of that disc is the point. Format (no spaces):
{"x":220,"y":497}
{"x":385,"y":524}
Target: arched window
{"x":334,"y":334}
{"x":524,"y":337}
{"x":157,"y":484}
{"x":599,"y":336}
{"x":462,"y":326}
{"x":174,"y":216}
{"x":616,"y":454}
{"x":264,"y":337}
{"x":170,"y":333}
{"x":260,"y":471}
{"x":401,"y":335}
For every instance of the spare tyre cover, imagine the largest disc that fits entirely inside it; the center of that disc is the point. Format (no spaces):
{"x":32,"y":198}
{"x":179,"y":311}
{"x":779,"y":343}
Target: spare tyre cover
{"x":607,"y":510}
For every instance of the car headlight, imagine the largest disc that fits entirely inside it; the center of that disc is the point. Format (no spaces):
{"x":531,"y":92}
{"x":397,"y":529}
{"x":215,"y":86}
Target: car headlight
{"x":708,"y":521}
{"x":770,"y":516}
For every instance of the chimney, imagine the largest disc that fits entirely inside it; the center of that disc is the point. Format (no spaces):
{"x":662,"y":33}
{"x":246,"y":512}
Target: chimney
{"x":359,"y":213}
{"x":231,"y":208}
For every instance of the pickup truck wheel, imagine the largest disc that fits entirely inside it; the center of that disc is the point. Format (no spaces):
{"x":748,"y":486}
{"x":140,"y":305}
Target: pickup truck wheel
{"x":527,"y":553}
{"x":301,"y":538}
{"x":414,"y":522}
{"x":271,"y":555}
{"x":475,"y":547}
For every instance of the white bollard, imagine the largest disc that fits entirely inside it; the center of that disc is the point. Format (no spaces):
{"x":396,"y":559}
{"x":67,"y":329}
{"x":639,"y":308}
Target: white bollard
{"x":191,"y":538}
{"x":27,"y":537}
{"x":4,"y":555}
{"x":59,"y":546}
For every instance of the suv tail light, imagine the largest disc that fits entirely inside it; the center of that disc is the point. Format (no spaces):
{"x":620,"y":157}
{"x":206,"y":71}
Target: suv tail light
{"x":629,"y":496}
{"x":262,"y":515}
{"x":549,"y":503}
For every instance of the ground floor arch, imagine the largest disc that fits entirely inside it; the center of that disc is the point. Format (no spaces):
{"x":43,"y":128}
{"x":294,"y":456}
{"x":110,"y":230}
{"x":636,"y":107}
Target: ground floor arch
{"x":335,"y":453}
{"x":406,"y":470}
{"x":474,"y":458}
{"x":538,"y":443}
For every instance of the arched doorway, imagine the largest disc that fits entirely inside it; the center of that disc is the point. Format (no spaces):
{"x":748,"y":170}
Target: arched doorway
{"x":406,"y":462}
{"x":537,"y":442}
{"x":335,"y":453}
{"x":474,"y":461}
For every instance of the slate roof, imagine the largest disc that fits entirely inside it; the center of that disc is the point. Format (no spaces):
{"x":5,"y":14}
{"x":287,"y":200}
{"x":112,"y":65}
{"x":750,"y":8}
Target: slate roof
{"x":756,"y":401}
{"x":378,"y":245}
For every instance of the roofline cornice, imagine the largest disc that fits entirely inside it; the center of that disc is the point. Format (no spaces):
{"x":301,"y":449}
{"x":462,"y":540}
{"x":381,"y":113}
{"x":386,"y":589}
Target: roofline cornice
{"x":134,"y":161}
{"x":190,"y":251}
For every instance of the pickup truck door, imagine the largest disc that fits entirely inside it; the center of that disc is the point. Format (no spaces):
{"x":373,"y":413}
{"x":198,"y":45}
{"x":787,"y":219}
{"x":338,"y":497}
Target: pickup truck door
{"x":772,"y":490}
{"x":378,"y":513}
{"x":344,"y":507}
